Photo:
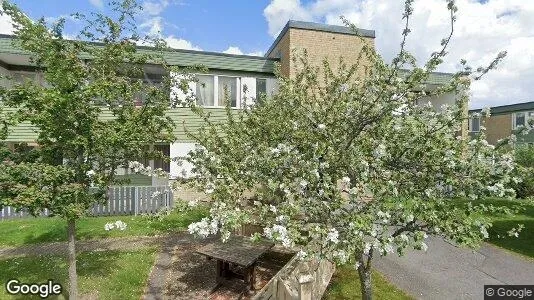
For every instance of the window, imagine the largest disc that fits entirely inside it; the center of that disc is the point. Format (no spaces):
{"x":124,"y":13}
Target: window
{"x":519,"y":120}
{"x":149,"y":80}
{"x":204,"y":90}
{"x":162,"y":162}
{"x":474,"y":124}
{"x":261,"y":88}
{"x":227,"y":88}
{"x":522,"y":119}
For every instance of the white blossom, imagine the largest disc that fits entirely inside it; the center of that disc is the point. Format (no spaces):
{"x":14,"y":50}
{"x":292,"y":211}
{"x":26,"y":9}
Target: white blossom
{"x":333,"y":236}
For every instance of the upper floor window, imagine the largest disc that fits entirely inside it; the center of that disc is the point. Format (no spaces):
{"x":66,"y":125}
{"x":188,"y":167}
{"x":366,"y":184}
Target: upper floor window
{"x":227,"y":88}
{"x":213,"y":90}
{"x":474,"y":124}
{"x":204,"y":90}
{"x":150,"y":80}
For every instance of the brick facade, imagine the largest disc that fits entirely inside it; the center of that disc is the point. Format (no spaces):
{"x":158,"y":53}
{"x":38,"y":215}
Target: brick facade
{"x":497,"y":127}
{"x":319,"y":45}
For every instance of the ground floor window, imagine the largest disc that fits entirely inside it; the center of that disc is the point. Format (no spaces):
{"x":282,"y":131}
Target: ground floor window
{"x":162,"y":162}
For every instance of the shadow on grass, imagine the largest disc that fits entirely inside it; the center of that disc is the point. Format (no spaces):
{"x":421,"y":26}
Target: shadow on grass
{"x":53,"y":234}
{"x":44,"y":230}
{"x":523,"y":244}
{"x":345,"y":285}
{"x":104,"y":275}
{"x":39,"y":269}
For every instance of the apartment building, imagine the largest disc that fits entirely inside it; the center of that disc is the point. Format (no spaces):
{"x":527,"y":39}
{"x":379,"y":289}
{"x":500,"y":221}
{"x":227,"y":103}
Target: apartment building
{"x":233,"y":71}
{"x":503,"y":122}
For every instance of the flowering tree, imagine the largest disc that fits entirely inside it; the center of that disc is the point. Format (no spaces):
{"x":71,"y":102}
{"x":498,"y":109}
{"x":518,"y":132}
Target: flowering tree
{"x":87,"y":120}
{"x":353,"y":167}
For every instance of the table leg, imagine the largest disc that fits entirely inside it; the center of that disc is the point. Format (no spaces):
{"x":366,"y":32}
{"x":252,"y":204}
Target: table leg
{"x":226,"y":269}
{"x":220,"y":269}
{"x":250,"y":277}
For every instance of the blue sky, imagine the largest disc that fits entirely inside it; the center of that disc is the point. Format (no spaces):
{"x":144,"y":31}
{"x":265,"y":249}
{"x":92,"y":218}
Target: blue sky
{"x":207,"y":24}
{"x":484,"y":28}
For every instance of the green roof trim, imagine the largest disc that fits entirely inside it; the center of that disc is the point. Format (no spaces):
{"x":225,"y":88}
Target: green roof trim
{"x":183,"y":58}
{"x":319,"y":27}
{"x":506,"y":109}
{"x":436,"y":78}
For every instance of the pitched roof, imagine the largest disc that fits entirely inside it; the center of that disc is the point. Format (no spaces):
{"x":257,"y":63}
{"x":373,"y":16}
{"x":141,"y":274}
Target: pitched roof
{"x":184,"y":58}
{"x":509,"y":108}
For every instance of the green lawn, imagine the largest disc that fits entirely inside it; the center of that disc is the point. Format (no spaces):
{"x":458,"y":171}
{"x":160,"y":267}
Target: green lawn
{"x":524,"y":244}
{"x":40,"y":230}
{"x":102,"y":275}
{"x":345,"y":284}
{"x":502,"y":223}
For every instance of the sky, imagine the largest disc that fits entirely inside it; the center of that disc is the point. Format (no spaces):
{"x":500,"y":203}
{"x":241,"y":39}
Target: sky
{"x":484,"y":28}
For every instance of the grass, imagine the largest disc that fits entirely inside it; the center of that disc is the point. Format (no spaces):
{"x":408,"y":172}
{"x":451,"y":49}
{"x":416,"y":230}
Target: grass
{"x":524,"y":244}
{"x":502,"y":223}
{"x":345,"y":284}
{"x":19,"y":232}
{"x":102,"y":275}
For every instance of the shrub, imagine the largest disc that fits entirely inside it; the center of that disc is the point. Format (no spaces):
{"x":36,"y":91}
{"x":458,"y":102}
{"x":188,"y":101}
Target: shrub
{"x":524,"y":157}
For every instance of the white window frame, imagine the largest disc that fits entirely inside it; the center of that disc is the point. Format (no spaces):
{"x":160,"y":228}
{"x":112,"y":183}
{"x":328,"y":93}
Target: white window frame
{"x":528,"y":115}
{"x":216,"y":103}
{"x":470,"y":124}
{"x":239,"y":88}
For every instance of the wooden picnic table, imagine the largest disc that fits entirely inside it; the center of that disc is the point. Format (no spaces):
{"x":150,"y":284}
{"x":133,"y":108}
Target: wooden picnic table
{"x":239,"y":251}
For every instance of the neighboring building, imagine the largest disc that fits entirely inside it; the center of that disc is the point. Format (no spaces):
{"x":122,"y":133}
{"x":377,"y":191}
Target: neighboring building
{"x":504,"y":120}
{"x":234,"y":71}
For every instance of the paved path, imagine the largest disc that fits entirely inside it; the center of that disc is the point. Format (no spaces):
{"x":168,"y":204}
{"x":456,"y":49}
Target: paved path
{"x":449,"y":272}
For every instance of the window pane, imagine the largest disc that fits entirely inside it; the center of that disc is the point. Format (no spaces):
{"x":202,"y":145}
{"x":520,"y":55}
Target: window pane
{"x":475,"y":124}
{"x":261,"y":88}
{"x":204,"y":90}
{"x":163,"y":163}
{"x":519,"y":119}
{"x":230,"y":83}
{"x":150,"y":80}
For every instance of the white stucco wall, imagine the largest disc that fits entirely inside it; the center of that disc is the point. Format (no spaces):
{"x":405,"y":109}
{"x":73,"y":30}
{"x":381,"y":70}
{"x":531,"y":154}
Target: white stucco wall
{"x":180,"y":150}
{"x":437,"y":102}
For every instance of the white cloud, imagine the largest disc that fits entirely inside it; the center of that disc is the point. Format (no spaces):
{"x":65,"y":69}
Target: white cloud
{"x":6,"y":24}
{"x":178,"y":43}
{"x":278,"y":12}
{"x":481,"y":32}
{"x":153,"y":25}
{"x":154,"y":8}
{"x":97,"y":3}
{"x":236,"y":50}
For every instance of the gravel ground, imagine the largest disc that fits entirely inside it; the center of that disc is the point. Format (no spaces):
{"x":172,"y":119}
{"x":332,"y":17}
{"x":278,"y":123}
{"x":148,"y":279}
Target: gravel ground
{"x":191,"y":276}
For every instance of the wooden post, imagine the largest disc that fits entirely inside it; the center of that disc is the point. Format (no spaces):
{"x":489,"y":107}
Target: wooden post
{"x":220,"y":269}
{"x":306,"y":287}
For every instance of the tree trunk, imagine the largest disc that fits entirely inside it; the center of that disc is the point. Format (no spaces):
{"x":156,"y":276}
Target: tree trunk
{"x":73,"y":278}
{"x":364,"y":270}
{"x":365,"y":282}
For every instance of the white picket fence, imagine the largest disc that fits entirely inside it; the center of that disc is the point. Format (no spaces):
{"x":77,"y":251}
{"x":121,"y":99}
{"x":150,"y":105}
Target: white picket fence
{"x":122,"y":200}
